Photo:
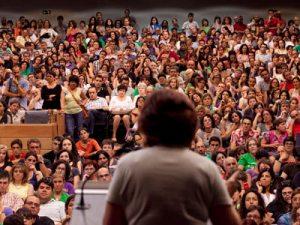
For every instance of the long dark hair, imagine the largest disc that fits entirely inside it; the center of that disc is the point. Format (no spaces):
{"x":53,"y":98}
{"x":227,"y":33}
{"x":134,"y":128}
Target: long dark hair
{"x":243,"y":210}
{"x":73,"y":152}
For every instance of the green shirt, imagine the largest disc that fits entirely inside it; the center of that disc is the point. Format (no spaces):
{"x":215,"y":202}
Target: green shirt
{"x":247,"y":160}
{"x":63,"y":198}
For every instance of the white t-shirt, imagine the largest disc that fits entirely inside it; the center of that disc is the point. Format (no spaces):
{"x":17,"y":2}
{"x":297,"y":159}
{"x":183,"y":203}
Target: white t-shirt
{"x":55,"y":210}
{"x":52,"y":34}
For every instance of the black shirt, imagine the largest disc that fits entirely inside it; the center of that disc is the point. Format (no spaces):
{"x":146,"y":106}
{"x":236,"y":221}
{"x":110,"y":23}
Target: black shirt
{"x":43,"y":220}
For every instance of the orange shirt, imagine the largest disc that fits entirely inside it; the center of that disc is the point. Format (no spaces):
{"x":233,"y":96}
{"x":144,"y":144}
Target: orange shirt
{"x":91,"y":146}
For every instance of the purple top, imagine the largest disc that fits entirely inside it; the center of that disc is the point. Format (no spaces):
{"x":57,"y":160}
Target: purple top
{"x":69,"y":188}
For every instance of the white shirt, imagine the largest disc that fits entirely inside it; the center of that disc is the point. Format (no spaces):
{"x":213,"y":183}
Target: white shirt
{"x":116,"y":104}
{"x":53,"y":209}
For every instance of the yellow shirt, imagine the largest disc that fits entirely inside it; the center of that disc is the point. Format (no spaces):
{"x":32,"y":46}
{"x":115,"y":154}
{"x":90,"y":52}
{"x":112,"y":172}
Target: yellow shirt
{"x":71,"y":106}
{"x":20,"y":190}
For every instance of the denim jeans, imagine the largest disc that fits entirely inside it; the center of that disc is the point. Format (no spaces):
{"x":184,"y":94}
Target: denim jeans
{"x":95,"y":116}
{"x":73,"y":123}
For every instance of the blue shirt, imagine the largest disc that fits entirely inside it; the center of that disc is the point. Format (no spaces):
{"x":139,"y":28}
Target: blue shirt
{"x":11,"y":87}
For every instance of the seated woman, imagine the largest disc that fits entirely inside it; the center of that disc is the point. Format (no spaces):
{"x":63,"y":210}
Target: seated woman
{"x":65,"y":159}
{"x":34,"y":175}
{"x":273,"y":138}
{"x":265,"y":185}
{"x":267,"y":122}
{"x":69,"y":145}
{"x":59,"y":193}
{"x":87,"y":147}
{"x":248,"y":160}
{"x":283,"y":200}
{"x":19,"y":181}
{"x":5,"y":163}
{"x":5,"y":116}
{"x":103,"y":159}
{"x":250,"y":198}
{"x":208,"y":129}
{"x":120,"y":106}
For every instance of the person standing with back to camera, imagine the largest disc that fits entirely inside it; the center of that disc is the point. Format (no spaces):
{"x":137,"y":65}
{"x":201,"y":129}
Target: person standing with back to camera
{"x":165,"y":183}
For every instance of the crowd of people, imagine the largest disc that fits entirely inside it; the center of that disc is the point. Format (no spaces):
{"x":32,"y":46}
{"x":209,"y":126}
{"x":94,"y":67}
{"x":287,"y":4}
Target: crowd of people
{"x":243,"y":78}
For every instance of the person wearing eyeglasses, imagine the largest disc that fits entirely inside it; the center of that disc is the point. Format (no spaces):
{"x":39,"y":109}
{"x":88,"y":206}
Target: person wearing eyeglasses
{"x":242,"y":134}
{"x":286,"y":219}
{"x":32,"y":202}
{"x":283,"y":200}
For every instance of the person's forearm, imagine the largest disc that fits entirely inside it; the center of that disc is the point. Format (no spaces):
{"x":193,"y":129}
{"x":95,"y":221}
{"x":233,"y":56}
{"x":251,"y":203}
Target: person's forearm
{"x":11,"y":94}
{"x":277,"y":166}
{"x":45,"y":171}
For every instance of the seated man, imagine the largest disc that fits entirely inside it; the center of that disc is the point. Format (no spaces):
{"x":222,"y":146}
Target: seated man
{"x":104,"y":174}
{"x":240,"y":136}
{"x":49,"y":207}
{"x":33,"y":203}
{"x":8,"y":200}
{"x":95,"y":106}
{"x":17,"y":113}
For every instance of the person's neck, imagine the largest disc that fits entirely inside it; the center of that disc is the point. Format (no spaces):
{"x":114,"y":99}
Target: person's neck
{"x":208,"y":129}
{"x":57,"y":194}
{"x":85,"y":140}
{"x":246,"y":132}
{"x":18,"y":182}
{"x":45,"y":200}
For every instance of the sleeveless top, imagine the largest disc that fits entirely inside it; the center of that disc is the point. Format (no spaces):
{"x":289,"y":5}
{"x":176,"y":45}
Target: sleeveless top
{"x":71,"y":106}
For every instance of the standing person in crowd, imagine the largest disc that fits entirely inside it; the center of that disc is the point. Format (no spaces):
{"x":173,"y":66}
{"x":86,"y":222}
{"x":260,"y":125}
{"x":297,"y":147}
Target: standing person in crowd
{"x":167,"y":113}
{"x":74,"y":104}
{"x":189,"y":24}
{"x":243,"y":81}
{"x":52,"y":93}
{"x":16,"y":88}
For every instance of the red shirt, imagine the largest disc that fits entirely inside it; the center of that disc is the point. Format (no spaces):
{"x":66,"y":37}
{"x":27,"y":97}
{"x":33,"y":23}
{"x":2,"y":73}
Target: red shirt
{"x":13,"y":157}
{"x":239,"y":27}
{"x":91,"y":146}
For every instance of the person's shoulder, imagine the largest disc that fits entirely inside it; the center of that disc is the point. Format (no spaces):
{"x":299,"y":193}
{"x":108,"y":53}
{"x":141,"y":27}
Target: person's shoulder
{"x":43,"y":220}
{"x":57,"y":203}
{"x":12,"y":195}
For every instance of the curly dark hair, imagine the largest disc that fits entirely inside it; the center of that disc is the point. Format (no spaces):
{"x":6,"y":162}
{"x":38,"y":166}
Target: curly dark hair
{"x":243,"y":209}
